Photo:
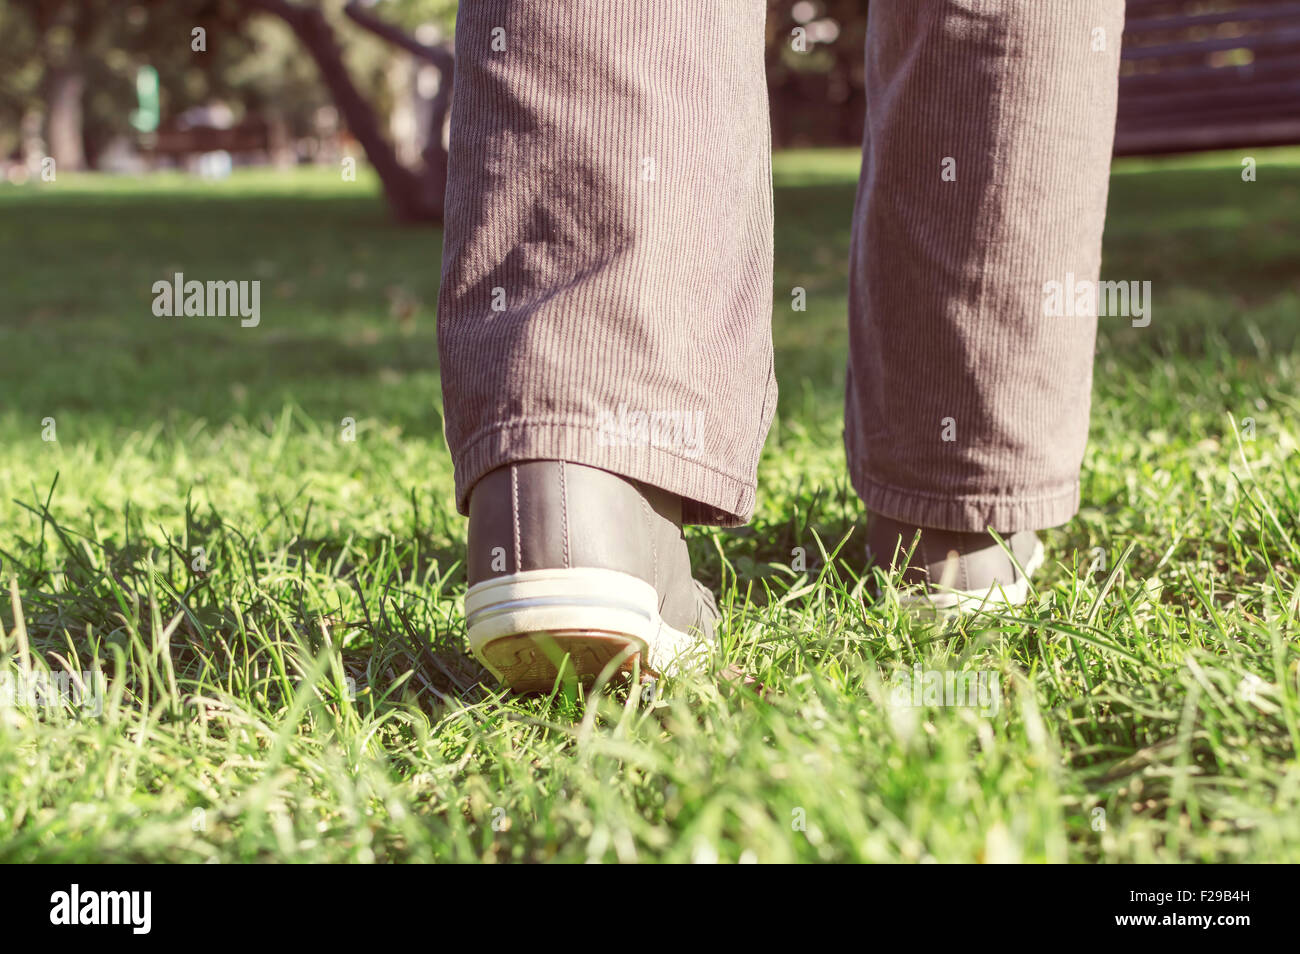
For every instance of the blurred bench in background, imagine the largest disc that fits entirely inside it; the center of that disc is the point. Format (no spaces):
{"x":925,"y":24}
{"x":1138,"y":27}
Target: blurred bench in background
{"x":1209,"y":74}
{"x":251,"y":137}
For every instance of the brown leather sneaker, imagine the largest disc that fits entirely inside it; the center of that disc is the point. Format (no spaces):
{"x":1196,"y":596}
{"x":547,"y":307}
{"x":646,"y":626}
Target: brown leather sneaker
{"x":569,"y":562}
{"x":949,"y":570}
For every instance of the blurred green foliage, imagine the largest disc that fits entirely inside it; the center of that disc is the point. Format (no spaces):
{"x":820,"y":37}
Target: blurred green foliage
{"x":256,"y":65}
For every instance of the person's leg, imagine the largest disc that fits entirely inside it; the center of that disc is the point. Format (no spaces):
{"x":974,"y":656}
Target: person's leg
{"x":985,"y":169}
{"x":606,"y":288}
{"x":604,"y":318}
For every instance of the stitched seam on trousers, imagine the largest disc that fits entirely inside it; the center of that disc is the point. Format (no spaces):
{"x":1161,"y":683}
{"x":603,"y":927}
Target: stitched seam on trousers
{"x":997,"y":181}
{"x":769,"y":401}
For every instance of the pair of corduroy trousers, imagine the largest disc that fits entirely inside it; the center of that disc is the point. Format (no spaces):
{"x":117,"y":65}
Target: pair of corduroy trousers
{"x":607,"y":269}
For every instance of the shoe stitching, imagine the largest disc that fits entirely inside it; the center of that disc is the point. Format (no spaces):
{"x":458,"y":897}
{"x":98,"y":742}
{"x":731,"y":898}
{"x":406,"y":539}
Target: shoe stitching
{"x":564,"y":514}
{"x":654,"y":546}
{"x":514,"y":490}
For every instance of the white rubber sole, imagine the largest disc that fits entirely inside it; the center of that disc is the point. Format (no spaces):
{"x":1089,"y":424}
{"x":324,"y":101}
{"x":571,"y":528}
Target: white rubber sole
{"x":970,"y":601}
{"x":525,"y":627}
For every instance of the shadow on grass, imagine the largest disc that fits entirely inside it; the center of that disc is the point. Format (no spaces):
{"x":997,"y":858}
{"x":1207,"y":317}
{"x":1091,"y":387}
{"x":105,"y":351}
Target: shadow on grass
{"x":347,"y":309}
{"x":349,"y":298}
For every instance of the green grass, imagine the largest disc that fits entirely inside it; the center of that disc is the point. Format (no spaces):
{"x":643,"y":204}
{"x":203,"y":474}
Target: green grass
{"x":307,"y":696}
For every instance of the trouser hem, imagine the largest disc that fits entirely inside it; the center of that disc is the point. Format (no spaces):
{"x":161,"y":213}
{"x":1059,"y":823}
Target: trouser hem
{"x":969,"y":513}
{"x":708,"y":496}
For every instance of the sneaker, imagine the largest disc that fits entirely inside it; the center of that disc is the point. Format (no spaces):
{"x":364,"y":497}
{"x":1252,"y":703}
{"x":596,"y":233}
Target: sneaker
{"x":950,"y":570}
{"x":577,"y":569}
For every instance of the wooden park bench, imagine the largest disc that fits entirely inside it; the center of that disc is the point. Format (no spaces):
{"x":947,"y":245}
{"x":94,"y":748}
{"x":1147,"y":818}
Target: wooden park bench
{"x":1209,"y":74}
{"x":248,"y":138}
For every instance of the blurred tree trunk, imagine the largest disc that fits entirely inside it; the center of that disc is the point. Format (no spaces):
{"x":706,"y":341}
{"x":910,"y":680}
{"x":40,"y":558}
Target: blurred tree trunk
{"x":31,"y":133}
{"x":414,"y":195}
{"x":63,"y":30}
{"x":64,"y":88}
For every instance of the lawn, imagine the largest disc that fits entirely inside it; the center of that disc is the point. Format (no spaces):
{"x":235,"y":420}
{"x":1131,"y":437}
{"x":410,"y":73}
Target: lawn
{"x":275,"y":608}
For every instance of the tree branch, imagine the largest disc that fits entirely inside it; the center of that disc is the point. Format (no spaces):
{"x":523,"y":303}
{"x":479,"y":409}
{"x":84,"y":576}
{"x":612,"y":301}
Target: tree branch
{"x":439,"y":56}
{"x":403,"y":188}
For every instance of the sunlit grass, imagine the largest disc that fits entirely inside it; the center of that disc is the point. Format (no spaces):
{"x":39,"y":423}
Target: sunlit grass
{"x":277,"y":609}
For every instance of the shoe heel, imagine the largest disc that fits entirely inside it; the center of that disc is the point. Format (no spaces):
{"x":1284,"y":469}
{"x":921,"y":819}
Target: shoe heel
{"x":522,"y":626}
